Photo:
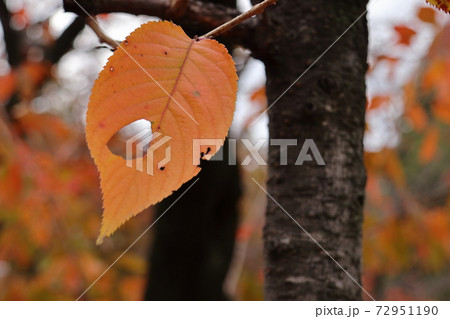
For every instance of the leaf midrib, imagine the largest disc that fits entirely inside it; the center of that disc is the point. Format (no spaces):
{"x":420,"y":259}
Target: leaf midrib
{"x":176,"y":84}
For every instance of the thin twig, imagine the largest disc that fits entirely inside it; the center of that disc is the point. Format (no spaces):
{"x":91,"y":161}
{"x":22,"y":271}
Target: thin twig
{"x":256,"y":9}
{"x":93,"y":24}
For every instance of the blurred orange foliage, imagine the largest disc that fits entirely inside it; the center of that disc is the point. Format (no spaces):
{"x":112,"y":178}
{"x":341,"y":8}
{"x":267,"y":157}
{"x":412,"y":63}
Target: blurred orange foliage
{"x":406,"y":246}
{"x":50,"y":211}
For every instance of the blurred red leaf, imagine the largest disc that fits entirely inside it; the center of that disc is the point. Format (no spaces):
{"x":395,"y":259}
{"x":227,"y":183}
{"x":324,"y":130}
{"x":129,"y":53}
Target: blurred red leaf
{"x":427,"y":14}
{"x":7,"y":86}
{"x":434,"y":74}
{"x":260,"y":95}
{"x":441,"y":110}
{"x":405,"y":34}
{"x":379,"y":100}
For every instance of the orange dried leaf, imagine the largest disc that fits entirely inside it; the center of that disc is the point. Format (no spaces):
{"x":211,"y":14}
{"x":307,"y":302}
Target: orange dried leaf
{"x":185,"y":87}
{"x":441,"y":4}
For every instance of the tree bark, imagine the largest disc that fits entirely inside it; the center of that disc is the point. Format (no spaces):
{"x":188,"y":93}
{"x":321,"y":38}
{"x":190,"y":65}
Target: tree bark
{"x":327,"y":105}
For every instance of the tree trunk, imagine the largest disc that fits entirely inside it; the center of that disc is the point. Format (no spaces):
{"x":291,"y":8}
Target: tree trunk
{"x":327,"y":105}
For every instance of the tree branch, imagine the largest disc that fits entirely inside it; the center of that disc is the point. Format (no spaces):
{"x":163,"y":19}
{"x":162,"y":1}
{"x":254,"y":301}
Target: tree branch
{"x":52,"y":54}
{"x":178,"y":7}
{"x":255,"y":10}
{"x":198,"y":18}
{"x":10,"y":36}
{"x":65,"y":41}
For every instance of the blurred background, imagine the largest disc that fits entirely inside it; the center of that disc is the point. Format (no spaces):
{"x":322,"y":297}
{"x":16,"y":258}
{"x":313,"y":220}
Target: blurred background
{"x":50,"y":201}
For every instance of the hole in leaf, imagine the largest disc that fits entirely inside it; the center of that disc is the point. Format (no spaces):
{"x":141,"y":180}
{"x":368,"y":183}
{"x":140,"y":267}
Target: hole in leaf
{"x":132,"y":140}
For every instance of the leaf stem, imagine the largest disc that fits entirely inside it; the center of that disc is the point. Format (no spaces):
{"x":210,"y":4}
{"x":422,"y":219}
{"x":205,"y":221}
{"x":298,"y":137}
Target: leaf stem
{"x":103,"y":37}
{"x":255,"y":10}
